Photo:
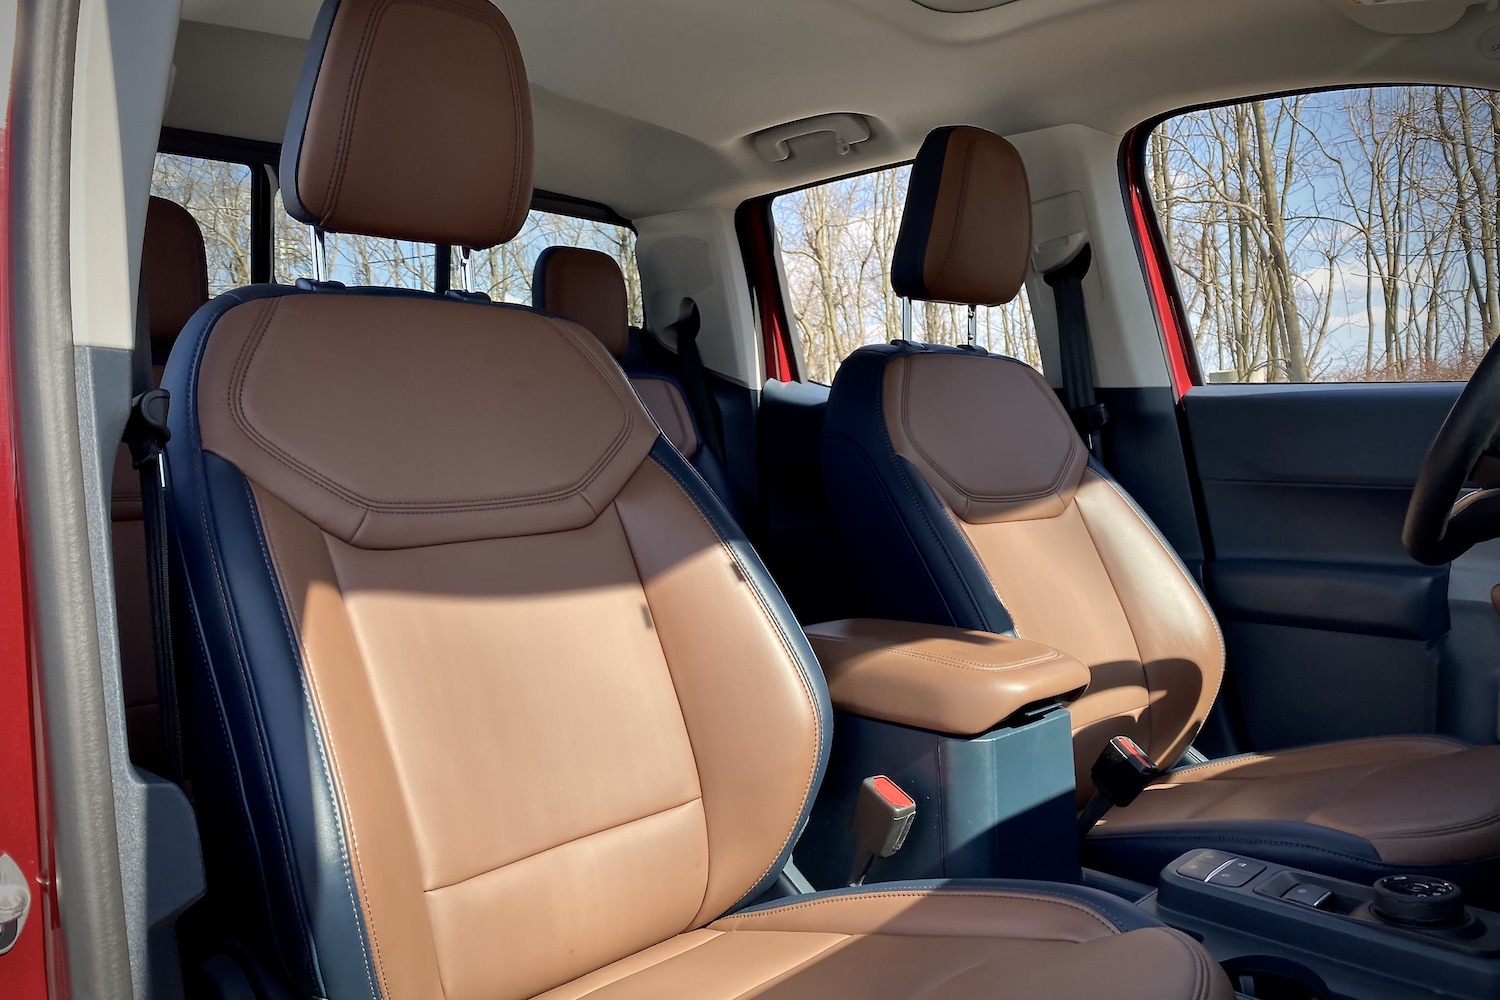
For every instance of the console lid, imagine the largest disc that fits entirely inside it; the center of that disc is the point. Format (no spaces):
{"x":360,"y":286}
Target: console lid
{"x":932,"y":677}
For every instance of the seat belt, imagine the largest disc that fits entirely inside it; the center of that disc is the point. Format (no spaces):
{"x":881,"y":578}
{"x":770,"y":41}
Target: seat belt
{"x":146,"y":436}
{"x":1078,"y":376}
{"x":695,"y":377}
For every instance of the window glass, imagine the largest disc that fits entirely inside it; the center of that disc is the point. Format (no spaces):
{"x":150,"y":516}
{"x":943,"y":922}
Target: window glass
{"x":1347,"y":236}
{"x":837,"y":241}
{"x":503,"y":272}
{"x":217,"y":193}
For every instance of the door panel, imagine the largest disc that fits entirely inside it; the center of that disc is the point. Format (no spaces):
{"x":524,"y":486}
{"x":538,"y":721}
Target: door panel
{"x":1332,"y":631}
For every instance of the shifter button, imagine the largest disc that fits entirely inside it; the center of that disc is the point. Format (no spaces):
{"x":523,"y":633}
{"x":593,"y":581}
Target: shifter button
{"x":1308,"y":894}
{"x":1236,"y":873}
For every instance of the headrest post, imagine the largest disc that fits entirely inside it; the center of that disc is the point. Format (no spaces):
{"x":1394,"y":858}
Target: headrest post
{"x":973,"y":325}
{"x":905,"y":319}
{"x":463,"y":269}
{"x":319,"y":253}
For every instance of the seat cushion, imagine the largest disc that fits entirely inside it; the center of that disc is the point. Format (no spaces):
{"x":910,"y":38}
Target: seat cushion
{"x":1357,"y":809}
{"x":937,"y":940}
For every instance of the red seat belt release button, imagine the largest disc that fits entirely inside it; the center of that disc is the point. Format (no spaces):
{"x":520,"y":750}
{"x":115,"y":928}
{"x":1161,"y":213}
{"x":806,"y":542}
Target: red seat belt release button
{"x":883,"y":815}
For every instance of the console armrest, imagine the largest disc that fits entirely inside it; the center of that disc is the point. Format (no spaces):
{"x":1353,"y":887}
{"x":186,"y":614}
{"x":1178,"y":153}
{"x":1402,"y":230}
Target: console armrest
{"x":945,"y":680}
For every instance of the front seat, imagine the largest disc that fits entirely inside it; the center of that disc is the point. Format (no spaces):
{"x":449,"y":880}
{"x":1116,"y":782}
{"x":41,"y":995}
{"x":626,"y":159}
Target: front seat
{"x":493,"y":701}
{"x":966,"y":498}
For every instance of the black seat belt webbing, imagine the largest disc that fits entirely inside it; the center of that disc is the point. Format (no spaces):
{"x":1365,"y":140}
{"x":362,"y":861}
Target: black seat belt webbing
{"x":146,"y":435}
{"x":1078,"y":375}
{"x":695,"y":378}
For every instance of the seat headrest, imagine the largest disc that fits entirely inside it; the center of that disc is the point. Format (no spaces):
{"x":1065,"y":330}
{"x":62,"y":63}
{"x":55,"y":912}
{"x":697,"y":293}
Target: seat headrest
{"x":412,"y":121}
{"x":174,"y":268}
{"x":587,"y":287}
{"x":966,"y":231}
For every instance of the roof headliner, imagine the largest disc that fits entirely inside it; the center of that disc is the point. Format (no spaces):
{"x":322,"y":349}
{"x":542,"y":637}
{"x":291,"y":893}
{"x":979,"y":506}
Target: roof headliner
{"x":647,"y":106}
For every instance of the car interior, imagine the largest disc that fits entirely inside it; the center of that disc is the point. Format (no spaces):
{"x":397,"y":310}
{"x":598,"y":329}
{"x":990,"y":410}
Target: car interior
{"x":807,"y":498}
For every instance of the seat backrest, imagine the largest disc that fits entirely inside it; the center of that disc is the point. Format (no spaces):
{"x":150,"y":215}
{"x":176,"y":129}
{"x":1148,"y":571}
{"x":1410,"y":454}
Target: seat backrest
{"x":967,"y":497}
{"x":588,"y":287}
{"x":492,"y":693}
{"x":174,"y":269}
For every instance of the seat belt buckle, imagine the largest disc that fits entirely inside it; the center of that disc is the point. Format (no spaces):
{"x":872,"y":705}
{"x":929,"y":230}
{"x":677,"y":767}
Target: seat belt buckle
{"x":146,"y":430}
{"x":1123,"y":770}
{"x":883,"y":816}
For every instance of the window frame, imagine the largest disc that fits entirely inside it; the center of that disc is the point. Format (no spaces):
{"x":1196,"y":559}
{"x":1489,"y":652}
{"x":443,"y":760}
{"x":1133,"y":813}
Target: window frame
{"x":264,"y":160}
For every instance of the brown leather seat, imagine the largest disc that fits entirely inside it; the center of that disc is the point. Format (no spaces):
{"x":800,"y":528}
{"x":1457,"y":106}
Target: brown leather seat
{"x":968,"y":499}
{"x":175,"y":269}
{"x":588,"y":287}
{"x":492,"y":699}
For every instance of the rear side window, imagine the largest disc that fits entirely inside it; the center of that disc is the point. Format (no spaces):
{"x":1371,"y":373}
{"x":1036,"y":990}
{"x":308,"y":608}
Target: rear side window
{"x":503,"y":272}
{"x":217,"y":194}
{"x":1347,"y":236}
{"x":837,"y":241}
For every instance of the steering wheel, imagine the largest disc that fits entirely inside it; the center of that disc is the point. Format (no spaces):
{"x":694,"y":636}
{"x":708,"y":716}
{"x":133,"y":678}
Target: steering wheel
{"x":1442,"y":525}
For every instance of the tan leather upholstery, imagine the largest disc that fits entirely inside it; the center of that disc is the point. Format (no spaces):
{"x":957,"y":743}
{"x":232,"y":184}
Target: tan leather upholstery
{"x":905,"y":945}
{"x":946,"y":680}
{"x":514,"y":706}
{"x":966,"y":234}
{"x":1073,"y":563}
{"x":174,"y":266}
{"x":587,"y":287}
{"x":441,"y":156}
{"x":490,"y":474}
{"x":175,"y":274}
{"x":1418,"y":800}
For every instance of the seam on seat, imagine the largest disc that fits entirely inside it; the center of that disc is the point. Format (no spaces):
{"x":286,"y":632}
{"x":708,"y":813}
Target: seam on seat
{"x":235,"y":403}
{"x":952,"y":661}
{"x":1489,"y":819}
{"x":853,"y":446}
{"x":672,"y":679}
{"x":715,"y":935}
{"x":218,"y":308}
{"x":807,"y":683}
{"x":565,"y":843}
{"x":348,"y":842}
{"x":1196,"y":957}
{"x":1058,"y":899}
{"x":1052,"y":490}
{"x":1187,"y":577}
{"x":968,"y":543}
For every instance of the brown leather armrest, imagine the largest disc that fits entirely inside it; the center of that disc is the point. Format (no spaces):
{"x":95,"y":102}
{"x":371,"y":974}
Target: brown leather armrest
{"x":947,"y":680}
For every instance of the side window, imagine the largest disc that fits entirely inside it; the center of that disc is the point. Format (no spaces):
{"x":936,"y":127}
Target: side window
{"x":217,"y":193}
{"x":837,"y":241}
{"x":1346,"y":236}
{"x":352,"y":259}
{"x":505,"y":271}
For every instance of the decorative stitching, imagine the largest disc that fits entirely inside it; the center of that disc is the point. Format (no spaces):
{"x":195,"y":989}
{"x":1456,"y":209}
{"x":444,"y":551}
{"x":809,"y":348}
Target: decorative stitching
{"x":326,"y":759}
{"x":902,"y":650}
{"x":1058,"y":899}
{"x":807,"y":683}
{"x":235,"y":403}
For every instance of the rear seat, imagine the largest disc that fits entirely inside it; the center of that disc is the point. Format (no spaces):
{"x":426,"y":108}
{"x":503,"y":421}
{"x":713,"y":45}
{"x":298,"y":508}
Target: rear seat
{"x":587,"y":287}
{"x":175,"y":271}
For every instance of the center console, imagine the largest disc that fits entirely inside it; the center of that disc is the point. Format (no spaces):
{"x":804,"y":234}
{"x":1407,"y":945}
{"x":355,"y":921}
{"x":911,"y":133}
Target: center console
{"x":953,"y":757}
{"x":1407,"y":936}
